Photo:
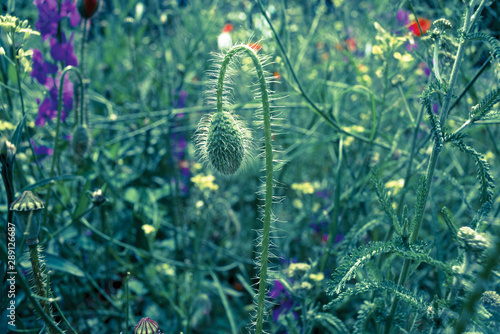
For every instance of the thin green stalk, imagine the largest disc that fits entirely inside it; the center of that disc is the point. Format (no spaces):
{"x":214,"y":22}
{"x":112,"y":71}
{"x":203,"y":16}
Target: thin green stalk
{"x":269,"y":166}
{"x":59,"y":110}
{"x":21,"y":98}
{"x":433,"y":160}
{"x":58,"y":126}
{"x":127,"y":304}
{"x":336,"y":211}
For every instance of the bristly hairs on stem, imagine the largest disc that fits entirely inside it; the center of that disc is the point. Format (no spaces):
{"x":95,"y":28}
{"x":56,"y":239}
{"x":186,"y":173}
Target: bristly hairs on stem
{"x":224,"y":144}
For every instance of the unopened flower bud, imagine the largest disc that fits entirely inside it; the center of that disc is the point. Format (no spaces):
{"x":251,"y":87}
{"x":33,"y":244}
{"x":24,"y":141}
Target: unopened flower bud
{"x":87,"y":8}
{"x":225,"y":143}
{"x":80,"y":141}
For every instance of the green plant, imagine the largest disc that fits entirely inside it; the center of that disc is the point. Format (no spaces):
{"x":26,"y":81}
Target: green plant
{"x":224,"y":144}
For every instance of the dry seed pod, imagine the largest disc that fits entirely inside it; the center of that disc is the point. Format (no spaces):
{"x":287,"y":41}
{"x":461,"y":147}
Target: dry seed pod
{"x":28,"y":208}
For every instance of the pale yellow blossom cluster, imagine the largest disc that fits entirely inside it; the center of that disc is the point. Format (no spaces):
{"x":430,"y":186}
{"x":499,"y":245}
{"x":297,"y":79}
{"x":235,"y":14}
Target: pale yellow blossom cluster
{"x":304,"y":187}
{"x":205,"y":182}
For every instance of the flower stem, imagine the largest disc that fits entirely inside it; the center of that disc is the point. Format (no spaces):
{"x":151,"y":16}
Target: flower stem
{"x":42,"y":290}
{"x":269,"y":166}
{"x":58,"y":126}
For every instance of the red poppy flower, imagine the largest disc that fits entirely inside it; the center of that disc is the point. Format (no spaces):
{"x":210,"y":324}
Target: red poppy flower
{"x":351,"y":44}
{"x":425,"y":24}
{"x":255,"y":46}
{"x":228,"y":27}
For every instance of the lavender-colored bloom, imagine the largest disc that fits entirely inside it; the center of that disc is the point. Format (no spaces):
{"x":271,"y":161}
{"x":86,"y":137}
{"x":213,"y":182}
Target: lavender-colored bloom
{"x":411,"y":46}
{"x":41,"y":68}
{"x":403,"y":17}
{"x":48,"y":108}
{"x":68,"y":8}
{"x":286,"y":302}
{"x":435,"y":108}
{"x":63,"y":51}
{"x":182,"y":99}
{"x":41,"y":149}
{"x":48,"y":17}
{"x":277,"y":290}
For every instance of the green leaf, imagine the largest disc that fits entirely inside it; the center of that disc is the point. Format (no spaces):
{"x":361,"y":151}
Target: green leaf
{"x":83,"y":201}
{"x":57,"y":263}
{"x":334,"y":324}
{"x":385,"y":202}
{"x":18,"y":133}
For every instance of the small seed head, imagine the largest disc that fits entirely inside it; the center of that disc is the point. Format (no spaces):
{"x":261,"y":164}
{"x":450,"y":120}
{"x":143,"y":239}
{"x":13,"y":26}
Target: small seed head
{"x":225,"y":143}
{"x":28,"y":208}
{"x":146,"y":326}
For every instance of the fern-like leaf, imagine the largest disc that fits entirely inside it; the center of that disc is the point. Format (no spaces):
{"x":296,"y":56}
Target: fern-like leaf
{"x":334,"y":324}
{"x":482,"y":168}
{"x":481,"y":110}
{"x":359,"y":257}
{"x":364,"y":314}
{"x":420,"y":203}
{"x":385,"y":202}
{"x":416,"y":301}
{"x":494,"y":43}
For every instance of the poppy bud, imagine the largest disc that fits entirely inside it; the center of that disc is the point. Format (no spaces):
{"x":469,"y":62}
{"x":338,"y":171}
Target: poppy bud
{"x":28,"y":208}
{"x":80,"y":141}
{"x":87,"y":8}
{"x":225,"y":143}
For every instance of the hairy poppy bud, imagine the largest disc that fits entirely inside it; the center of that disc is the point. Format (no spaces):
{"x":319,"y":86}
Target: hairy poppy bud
{"x":80,"y":141}
{"x":225,"y":143}
{"x":87,"y":8}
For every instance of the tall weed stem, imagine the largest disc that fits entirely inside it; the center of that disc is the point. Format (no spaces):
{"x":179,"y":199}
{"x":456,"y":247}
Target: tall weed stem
{"x":434,"y":155}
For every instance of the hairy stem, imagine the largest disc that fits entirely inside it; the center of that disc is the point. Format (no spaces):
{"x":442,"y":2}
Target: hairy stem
{"x":269,"y":166}
{"x":41,"y":289}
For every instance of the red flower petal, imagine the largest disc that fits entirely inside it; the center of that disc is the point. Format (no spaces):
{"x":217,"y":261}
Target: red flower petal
{"x":228,"y":27}
{"x":425,"y":24}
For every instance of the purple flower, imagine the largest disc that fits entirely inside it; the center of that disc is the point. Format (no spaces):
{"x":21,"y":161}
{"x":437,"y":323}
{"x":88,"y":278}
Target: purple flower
{"x":403,"y":17}
{"x":41,"y":68}
{"x":286,"y":303}
{"x":277,"y":289}
{"x":182,"y":99}
{"x":48,"y":18}
{"x":435,"y":108}
{"x":68,"y":8}
{"x":411,"y":46}
{"x":63,"y":51}
{"x":41,"y":151}
{"x":48,"y":109}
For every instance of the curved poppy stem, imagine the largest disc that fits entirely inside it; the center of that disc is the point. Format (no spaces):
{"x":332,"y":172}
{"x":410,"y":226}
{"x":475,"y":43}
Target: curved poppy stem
{"x":269,"y":167}
{"x":59,"y":110}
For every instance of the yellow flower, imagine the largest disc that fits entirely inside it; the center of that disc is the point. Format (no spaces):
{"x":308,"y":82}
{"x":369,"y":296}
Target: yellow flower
{"x":205,"y":182}
{"x":148,"y":228}
{"x":304,"y":187}
{"x":4,"y":125}
{"x":317,"y":277}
